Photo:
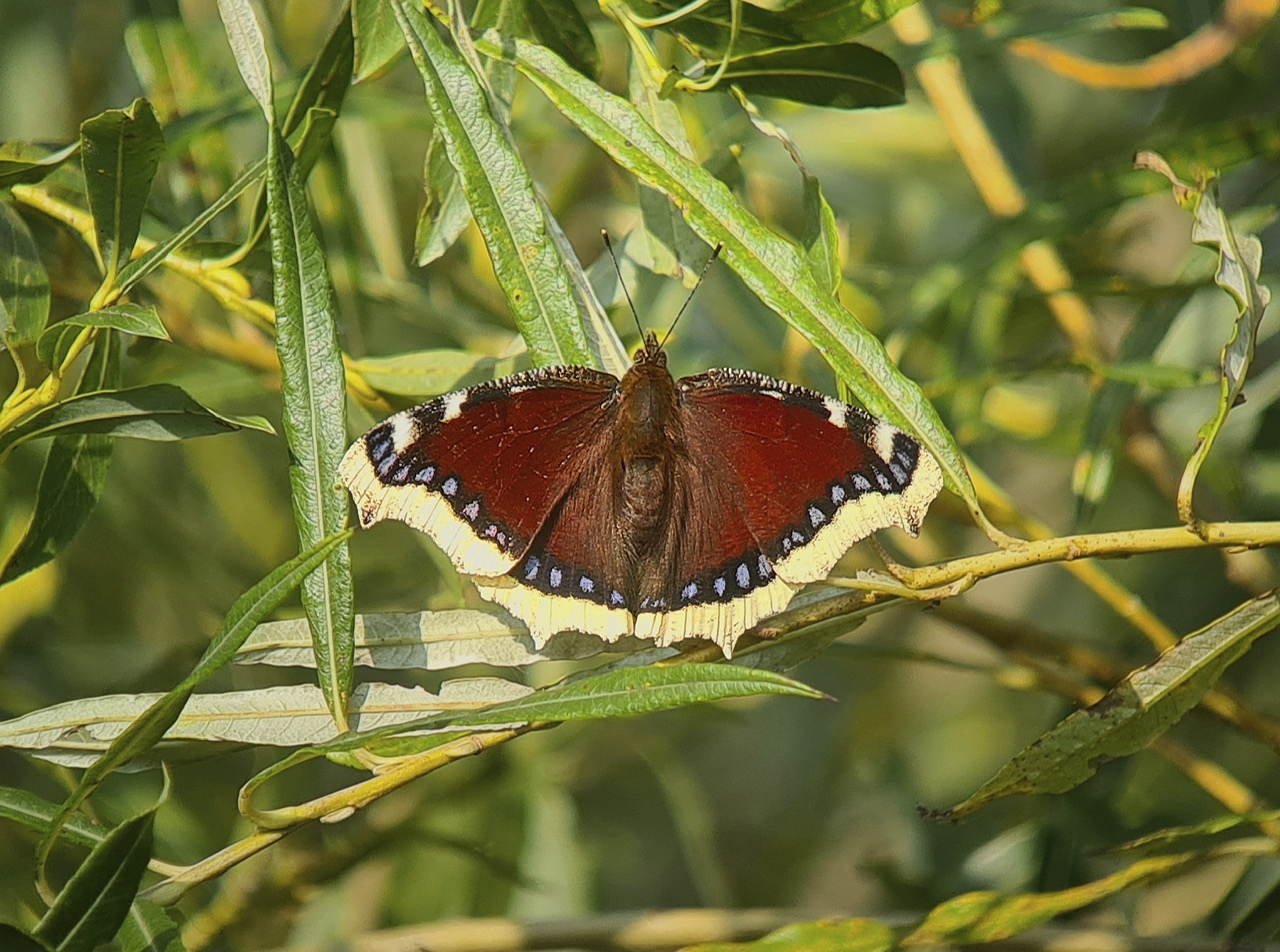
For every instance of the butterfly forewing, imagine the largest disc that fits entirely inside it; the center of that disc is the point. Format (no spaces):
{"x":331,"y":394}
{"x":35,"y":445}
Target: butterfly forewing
{"x":812,"y":475}
{"x":480,"y":470}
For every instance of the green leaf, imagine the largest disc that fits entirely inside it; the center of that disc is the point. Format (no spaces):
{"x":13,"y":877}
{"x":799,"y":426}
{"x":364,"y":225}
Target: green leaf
{"x":249,"y":47}
{"x":1239,"y":266}
{"x":428,"y":641}
{"x":314,"y":400}
{"x":829,"y":22}
{"x":94,"y":903}
{"x":560,"y":26}
{"x":1198,"y":831}
{"x":24,"y":285}
{"x":821,"y":238}
{"x":1139,"y":709}
{"x":377,"y":36}
{"x":843,"y":76}
{"x":544,"y":286}
{"x":74,"y":474}
{"x":37,"y":813}
{"x":120,"y":151}
{"x":158,"y":411}
{"x":137,"y":319}
{"x":848,"y":935}
{"x":426,"y":372}
{"x":445,"y":213}
{"x":773,"y":268}
{"x":149,"y":928}
{"x":835,"y":21}
{"x":980,"y":917}
{"x":22,"y":163}
{"x":78,"y":733}
{"x":147,"y":730}
{"x":623,"y":692}
{"x":674,"y":247}
{"x":327,"y":80}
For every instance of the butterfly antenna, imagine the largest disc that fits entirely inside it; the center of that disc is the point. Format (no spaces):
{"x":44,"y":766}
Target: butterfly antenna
{"x":715,"y":253}
{"x":618,"y":268}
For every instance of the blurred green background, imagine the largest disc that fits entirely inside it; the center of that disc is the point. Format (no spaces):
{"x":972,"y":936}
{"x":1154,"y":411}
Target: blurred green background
{"x":774,"y":803}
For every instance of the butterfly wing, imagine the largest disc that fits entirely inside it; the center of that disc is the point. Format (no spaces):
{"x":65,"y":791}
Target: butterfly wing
{"x":575,"y":572}
{"x":435,"y":466}
{"x":709,"y":577}
{"x":811,"y":475}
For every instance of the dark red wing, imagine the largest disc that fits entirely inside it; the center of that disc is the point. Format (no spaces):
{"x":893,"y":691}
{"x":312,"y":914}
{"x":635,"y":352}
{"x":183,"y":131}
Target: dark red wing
{"x":481,"y":469}
{"x":811,"y":475}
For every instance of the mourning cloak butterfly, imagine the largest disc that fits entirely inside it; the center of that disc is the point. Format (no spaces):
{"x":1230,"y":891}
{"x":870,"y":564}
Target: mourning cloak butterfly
{"x":648,"y":506}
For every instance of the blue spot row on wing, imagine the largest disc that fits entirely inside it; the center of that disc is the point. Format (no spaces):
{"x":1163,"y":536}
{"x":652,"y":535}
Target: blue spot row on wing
{"x":734,"y":579}
{"x":410,"y":468}
{"x":876,"y":476}
{"x":550,"y":575}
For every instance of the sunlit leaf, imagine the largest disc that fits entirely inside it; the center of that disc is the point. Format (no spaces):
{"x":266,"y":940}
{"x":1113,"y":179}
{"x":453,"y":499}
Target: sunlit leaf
{"x":137,"y":319}
{"x":847,"y":935}
{"x":980,"y":917}
{"x":159,"y":411}
{"x":622,"y":692}
{"x":77,"y":733}
{"x":429,"y":641}
{"x":426,"y":372}
{"x":22,"y":163}
{"x":1239,"y":266}
{"x":549,"y":306}
{"x":378,"y":37}
{"x":149,"y":928}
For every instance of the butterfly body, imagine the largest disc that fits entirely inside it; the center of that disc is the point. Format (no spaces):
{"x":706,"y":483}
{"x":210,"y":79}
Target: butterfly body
{"x":643,"y":506}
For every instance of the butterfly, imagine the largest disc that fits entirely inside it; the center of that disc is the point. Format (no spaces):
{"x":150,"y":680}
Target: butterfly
{"x":648,"y":506}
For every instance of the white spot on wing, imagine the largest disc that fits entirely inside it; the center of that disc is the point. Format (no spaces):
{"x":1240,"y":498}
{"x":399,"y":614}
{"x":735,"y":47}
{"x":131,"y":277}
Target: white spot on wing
{"x":404,"y":429}
{"x":453,"y":404}
{"x":835,"y":411}
{"x":882,"y":440}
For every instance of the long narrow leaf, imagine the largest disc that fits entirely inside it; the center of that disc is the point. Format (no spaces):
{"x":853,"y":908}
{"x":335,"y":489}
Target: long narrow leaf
{"x":1239,"y":268}
{"x":159,"y":411}
{"x":1139,"y":709}
{"x":312,"y":382}
{"x":79,"y":733}
{"x":622,"y":692}
{"x":313,"y":389}
{"x":532,"y":269}
{"x":24,"y":284}
{"x":91,"y":907}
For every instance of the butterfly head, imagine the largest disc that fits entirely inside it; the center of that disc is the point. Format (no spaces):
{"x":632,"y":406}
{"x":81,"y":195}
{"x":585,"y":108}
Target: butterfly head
{"x":651,"y":352}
